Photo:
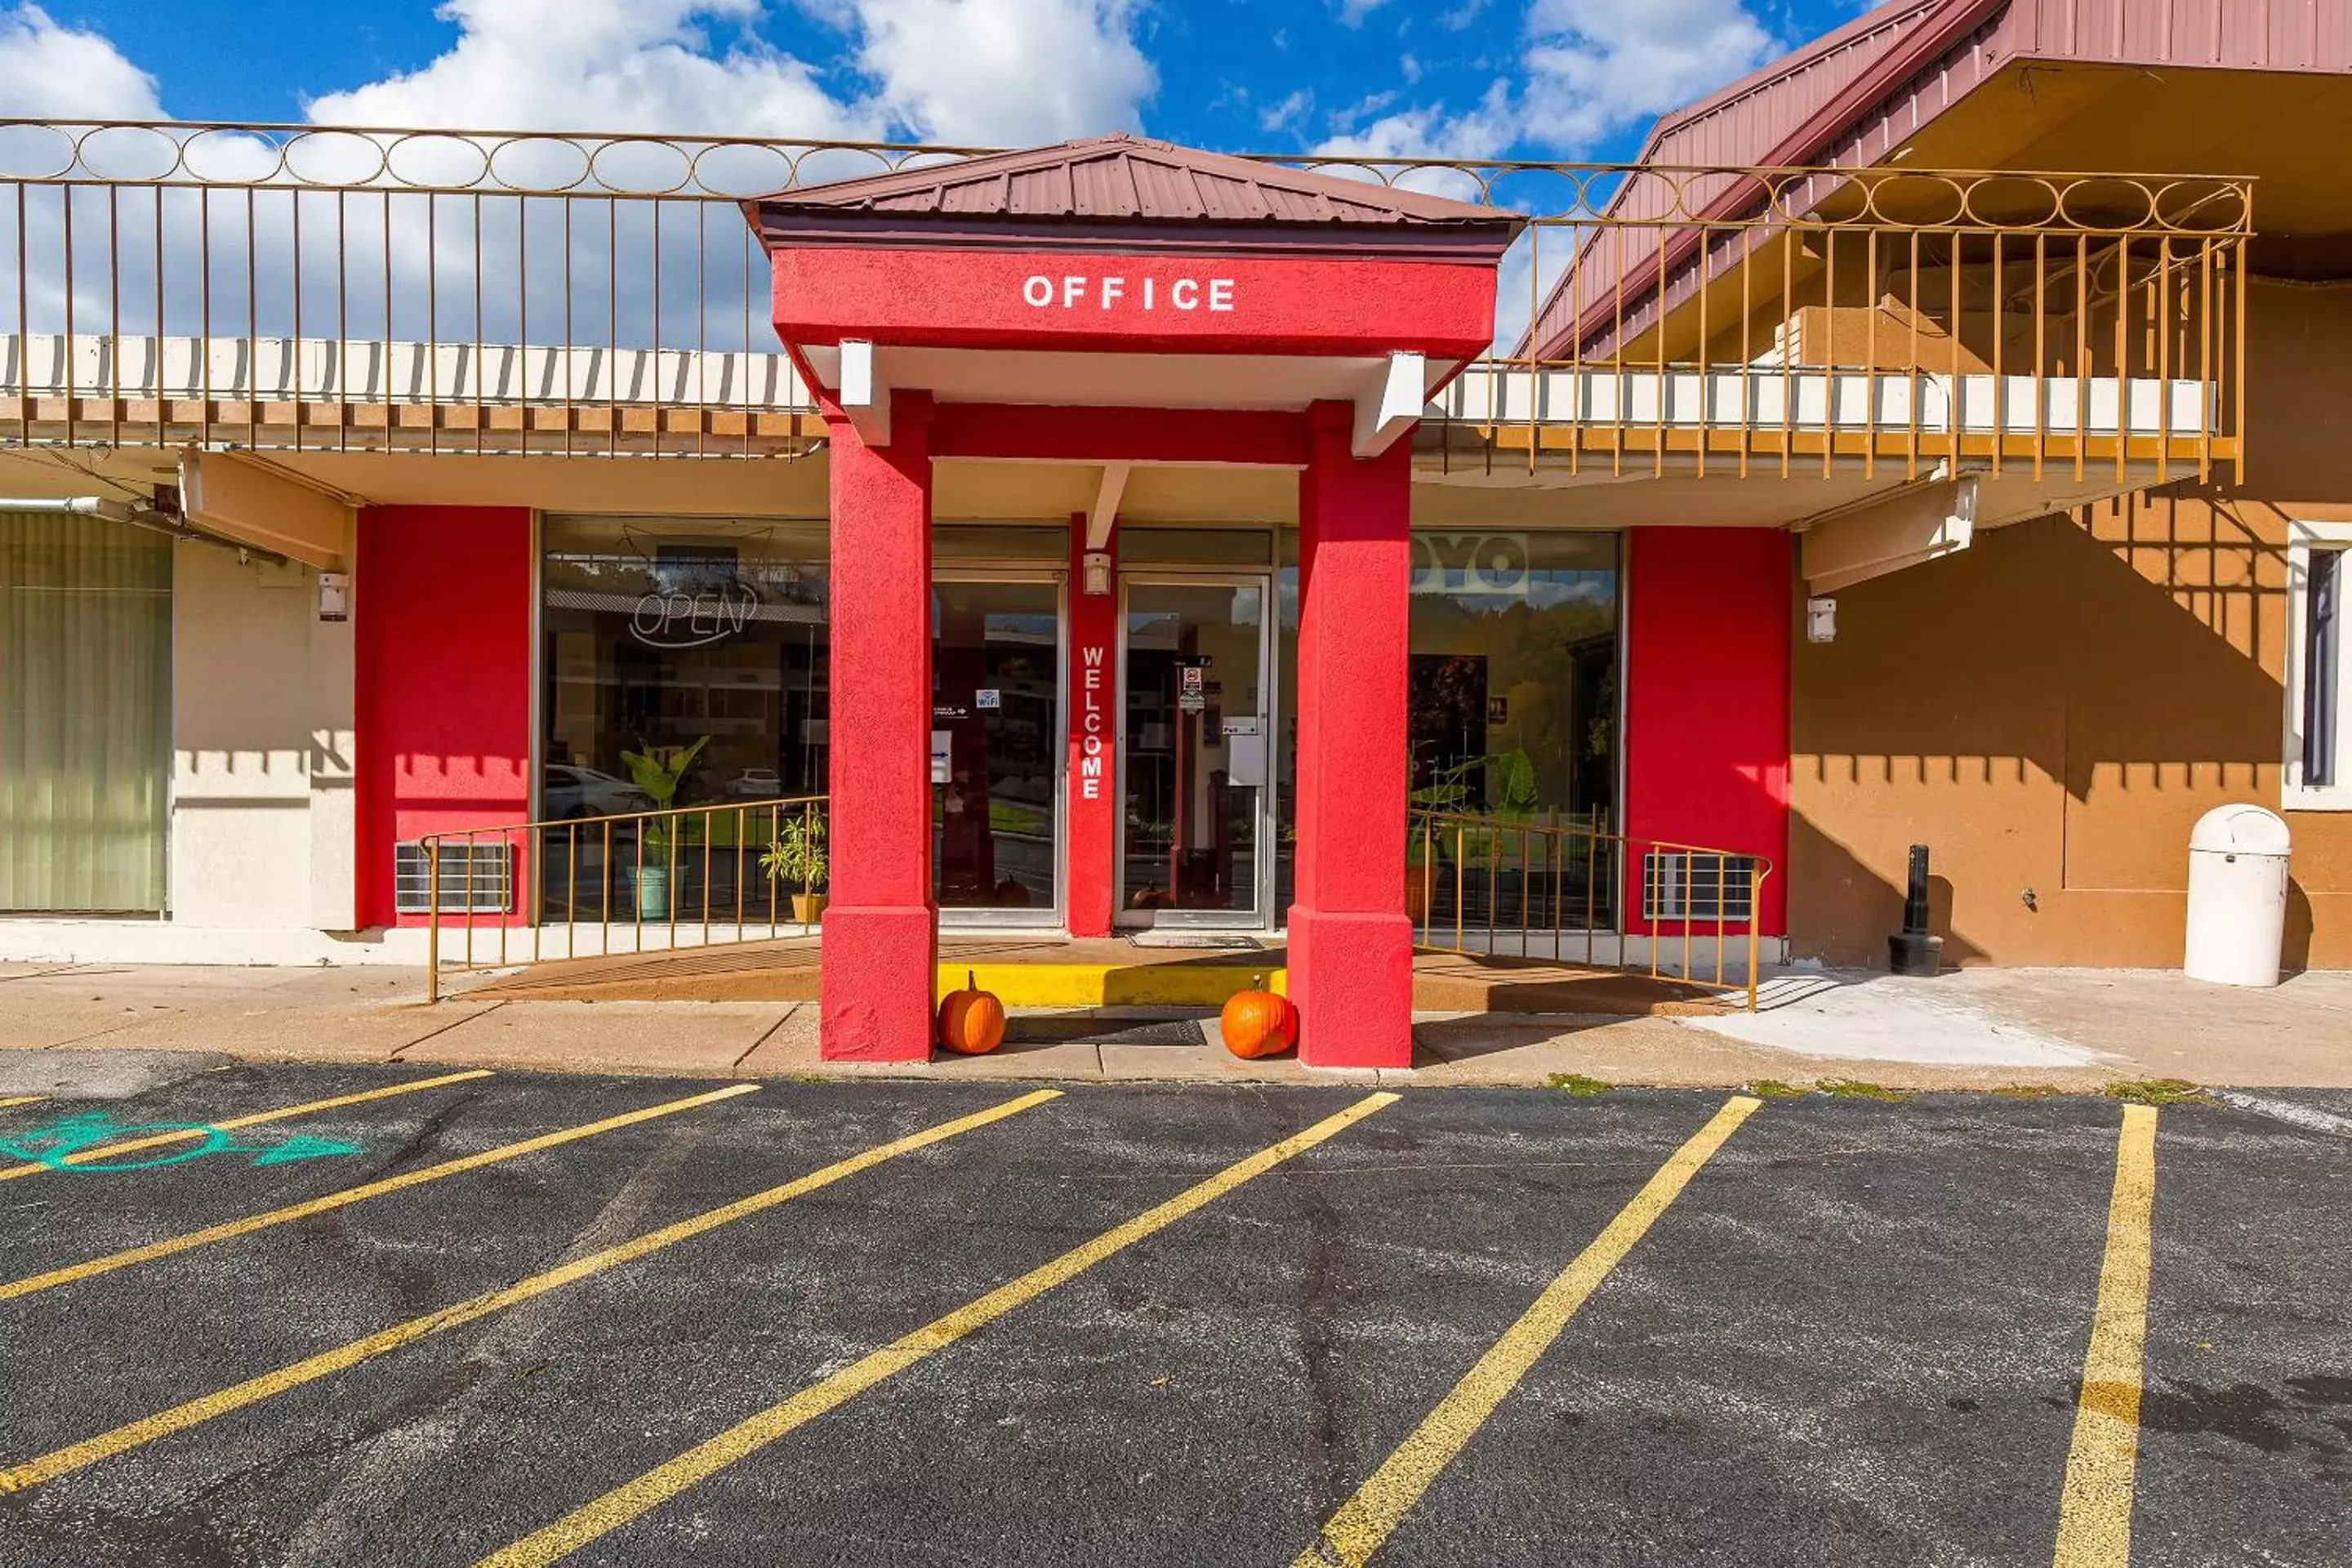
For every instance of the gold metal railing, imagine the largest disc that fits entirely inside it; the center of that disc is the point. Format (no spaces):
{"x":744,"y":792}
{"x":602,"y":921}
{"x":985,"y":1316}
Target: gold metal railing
{"x":277,"y":287}
{"x":1521,"y":887}
{"x":592,"y":886}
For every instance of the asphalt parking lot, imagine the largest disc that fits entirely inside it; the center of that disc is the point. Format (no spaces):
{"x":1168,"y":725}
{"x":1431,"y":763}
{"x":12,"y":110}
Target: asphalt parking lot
{"x":464,"y":1318}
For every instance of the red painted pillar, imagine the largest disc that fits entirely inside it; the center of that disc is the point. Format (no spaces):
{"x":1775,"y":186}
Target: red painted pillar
{"x":881,"y":929}
{"x":1707,"y":609}
{"x":1350,"y":944}
{"x":443,"y":688}
{"x":1091,"y":831}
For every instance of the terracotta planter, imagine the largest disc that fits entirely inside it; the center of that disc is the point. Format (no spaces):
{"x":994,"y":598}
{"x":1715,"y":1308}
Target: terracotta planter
{"x":808,"y":908}
{"x":1418,"y":880}
{"x":653,"y":892}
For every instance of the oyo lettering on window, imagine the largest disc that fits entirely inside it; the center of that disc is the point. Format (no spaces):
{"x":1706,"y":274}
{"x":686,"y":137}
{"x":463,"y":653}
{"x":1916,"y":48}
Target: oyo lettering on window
{"x":1090,"y":725}
{"x":1078,"y":291}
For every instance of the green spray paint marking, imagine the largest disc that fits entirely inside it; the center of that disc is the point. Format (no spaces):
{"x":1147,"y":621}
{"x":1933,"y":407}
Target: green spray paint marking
{"x":55,"y":1144}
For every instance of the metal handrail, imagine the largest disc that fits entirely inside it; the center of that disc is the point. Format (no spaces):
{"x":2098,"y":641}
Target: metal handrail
{"x":674,"y":832}
{"x":1572,"y":886}
{"x":223,"y":285}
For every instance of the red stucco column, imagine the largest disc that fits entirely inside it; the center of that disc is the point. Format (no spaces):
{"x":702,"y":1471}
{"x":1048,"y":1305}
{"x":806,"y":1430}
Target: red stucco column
{"x":881,"y":929}
{"x":1350,"y":944}
{"x":1090,"y":790}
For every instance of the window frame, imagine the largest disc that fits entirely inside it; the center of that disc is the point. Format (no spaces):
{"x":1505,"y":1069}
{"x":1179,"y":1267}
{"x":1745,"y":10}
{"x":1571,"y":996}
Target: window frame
{"x":2305,"y":539}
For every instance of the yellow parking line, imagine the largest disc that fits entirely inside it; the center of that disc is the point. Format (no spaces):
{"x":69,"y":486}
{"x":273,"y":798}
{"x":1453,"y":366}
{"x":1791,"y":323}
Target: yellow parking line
{"x":171,"y":1245}
{"x":109,"y":1150}
{"x":22,"y":1099}
{"x":706,"y":1459}
{"x":2095,"y":1511}
{"x":1364,"y":1523}
{"x":180,"y":1417}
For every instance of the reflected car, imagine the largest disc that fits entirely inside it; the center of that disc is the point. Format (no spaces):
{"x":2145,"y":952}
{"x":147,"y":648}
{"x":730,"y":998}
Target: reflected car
{"x":571,"y":792}
{"x":756,"y":783}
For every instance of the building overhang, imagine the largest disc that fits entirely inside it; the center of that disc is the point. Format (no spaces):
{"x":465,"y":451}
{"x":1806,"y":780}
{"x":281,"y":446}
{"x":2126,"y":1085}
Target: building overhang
{"x":1122,"y":274}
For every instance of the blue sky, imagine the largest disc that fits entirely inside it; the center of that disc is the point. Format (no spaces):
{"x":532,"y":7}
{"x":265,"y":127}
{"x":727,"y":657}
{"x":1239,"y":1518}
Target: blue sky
{"x":1563,"y":79}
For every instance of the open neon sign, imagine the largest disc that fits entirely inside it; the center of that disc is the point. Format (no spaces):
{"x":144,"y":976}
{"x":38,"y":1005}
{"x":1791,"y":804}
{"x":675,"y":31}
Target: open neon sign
{"x":708,"y":613}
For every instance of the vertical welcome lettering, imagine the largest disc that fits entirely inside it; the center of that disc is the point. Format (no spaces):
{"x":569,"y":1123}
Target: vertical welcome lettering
{"x":1090,"y":723}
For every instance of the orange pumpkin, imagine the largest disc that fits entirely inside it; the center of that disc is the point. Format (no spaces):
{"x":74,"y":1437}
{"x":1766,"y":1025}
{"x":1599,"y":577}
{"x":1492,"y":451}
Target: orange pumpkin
{"x":1258,"y":1023}
{"x":971,"y":1021}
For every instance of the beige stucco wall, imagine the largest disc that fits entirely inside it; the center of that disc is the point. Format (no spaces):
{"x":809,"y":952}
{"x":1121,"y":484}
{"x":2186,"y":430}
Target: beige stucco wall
{"x":262,"y":831}
{"x":2055,"y":707}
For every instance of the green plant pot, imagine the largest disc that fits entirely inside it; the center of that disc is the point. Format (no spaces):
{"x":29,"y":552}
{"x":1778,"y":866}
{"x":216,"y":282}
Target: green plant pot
{"x":653,"y":892}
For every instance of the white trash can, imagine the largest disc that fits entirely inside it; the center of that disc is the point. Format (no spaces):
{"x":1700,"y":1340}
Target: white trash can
{"x":2237,"y":896}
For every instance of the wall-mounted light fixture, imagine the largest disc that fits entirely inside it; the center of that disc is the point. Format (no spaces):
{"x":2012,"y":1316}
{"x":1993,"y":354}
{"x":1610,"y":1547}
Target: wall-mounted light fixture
{"x":1097,"y":572}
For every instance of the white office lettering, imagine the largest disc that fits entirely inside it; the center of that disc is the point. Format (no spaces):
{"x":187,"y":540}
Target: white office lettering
{"x":1220,"y":293}
{"x":1184,"y":293}
{"x":1147,"y":293}
{"x":1074,"y":289}
{"x":1038,"y":291}
{"x":1112,"y":289}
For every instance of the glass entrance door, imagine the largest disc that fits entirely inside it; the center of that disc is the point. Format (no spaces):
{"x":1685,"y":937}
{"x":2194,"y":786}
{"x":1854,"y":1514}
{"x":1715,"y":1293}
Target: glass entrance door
{"x":996,"y":750}
{"x":1197,"y":726}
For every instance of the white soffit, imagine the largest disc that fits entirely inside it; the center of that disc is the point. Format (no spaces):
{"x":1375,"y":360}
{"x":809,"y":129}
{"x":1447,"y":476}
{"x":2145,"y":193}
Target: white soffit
{"x":1919,"y":523}
{"x":1137,"y":380}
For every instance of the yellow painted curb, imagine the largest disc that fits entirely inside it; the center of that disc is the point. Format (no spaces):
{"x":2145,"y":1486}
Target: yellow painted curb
{"x":1110,"y":984}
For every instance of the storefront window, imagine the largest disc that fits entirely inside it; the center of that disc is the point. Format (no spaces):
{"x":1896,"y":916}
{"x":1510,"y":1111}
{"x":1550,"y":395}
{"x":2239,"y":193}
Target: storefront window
{"x":85,"y":714}
{"x":996,"y":726}
{"x":660,"y":635}
{"x":1514,"y":677}
{"x":1512,"y":699}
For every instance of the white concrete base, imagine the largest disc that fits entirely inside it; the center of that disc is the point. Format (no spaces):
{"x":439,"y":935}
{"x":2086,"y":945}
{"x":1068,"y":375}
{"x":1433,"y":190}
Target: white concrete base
{"x":164,"y":942}
{"x":1858,"y":1017}
{"x":1694,"y":958}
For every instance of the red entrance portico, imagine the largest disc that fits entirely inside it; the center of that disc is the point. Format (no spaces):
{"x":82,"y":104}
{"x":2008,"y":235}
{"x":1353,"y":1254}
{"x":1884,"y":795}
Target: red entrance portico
{"x":1122,"y":303}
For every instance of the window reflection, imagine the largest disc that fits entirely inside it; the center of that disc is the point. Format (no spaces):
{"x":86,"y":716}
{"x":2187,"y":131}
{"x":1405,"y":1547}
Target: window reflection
{"x":1512,"y":699}
{"x":996,"y":726}
{"x":658,"y":632}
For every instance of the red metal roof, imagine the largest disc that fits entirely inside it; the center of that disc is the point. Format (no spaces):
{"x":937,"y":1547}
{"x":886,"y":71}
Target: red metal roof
{"x":1129,"y":179}
{"x":1852,"y":96}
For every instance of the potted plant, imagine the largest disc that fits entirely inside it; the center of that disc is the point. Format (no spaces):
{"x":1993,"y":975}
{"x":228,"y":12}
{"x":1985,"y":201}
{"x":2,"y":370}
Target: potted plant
{"x":797,"y":857}
{"x":659,"y":779}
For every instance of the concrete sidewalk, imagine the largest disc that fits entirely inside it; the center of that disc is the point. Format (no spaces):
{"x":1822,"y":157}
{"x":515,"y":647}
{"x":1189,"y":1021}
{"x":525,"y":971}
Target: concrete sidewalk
{"x":2073,"y":1029}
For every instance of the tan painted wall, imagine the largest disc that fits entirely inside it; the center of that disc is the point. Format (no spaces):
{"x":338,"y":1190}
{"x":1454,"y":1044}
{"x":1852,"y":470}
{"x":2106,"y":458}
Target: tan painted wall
{"x":2055,"y":707}
{"x":262,"y":829}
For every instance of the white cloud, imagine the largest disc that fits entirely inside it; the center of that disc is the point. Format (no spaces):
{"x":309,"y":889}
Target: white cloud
{"x":1429,"y":132}
{"x":51,"y":71}
{"x":604,"y":65}
{"x":1011,"y":71}
{"x":1286,"y":113}
{"x":1597,"y":66}
{"x":972,"y":71}
{"x":1353,"y":12}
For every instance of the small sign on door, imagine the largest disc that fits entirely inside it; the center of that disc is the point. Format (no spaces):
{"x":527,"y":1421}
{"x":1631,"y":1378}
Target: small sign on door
{"x":942,"y":745}
{"x":987,"y":697}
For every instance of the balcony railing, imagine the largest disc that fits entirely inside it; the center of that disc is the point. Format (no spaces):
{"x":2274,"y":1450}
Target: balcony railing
{"x":302,"y":288}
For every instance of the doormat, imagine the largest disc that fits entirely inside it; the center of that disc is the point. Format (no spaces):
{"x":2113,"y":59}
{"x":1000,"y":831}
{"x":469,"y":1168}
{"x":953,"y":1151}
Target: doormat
{"x":1193,"y":939}
{"x":1055,"y":1031}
